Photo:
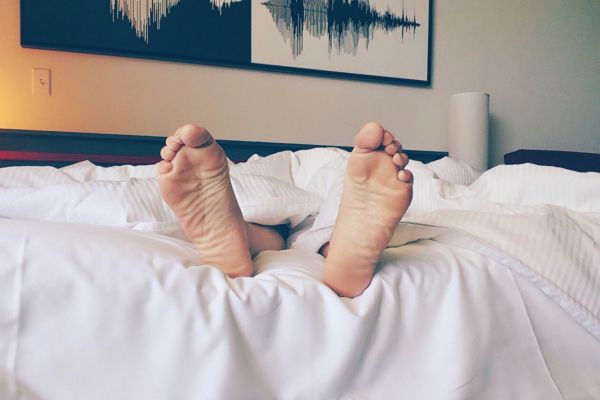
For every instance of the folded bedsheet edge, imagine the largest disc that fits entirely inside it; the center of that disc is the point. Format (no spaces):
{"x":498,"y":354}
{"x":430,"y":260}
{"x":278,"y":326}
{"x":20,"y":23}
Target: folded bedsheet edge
{"x":568,"y":303}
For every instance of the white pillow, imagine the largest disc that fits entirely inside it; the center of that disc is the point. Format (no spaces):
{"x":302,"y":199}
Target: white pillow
{"x":529,"y":184}
{"x":454,"y":171}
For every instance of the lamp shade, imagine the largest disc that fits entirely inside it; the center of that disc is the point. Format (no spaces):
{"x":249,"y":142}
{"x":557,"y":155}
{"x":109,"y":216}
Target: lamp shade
{"x":468,"y":128}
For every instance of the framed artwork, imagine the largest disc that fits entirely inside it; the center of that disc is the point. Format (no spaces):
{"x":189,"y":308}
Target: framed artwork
{"x":374,"y":40}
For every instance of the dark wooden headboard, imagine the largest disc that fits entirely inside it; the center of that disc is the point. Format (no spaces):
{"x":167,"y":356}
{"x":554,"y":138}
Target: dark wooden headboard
{"x":575,"y":161}
{"x":26,"y":147}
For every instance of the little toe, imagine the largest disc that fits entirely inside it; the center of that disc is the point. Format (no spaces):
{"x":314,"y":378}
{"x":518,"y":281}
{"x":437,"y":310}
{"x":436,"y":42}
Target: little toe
{"x":405,"y":176}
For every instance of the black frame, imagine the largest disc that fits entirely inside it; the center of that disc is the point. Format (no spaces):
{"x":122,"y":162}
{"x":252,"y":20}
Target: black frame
{"x":29,"y":42}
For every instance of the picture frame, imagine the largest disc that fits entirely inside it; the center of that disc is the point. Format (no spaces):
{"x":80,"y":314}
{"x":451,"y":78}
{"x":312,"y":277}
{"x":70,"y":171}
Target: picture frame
{"x":386,"y":41}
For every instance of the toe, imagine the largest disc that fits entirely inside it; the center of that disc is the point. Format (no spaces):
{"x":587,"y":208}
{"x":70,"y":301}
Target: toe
{"x":195,"y":136}
{"x":164,"y":167}
{"x":369,"y":138}
{"x":167,"y":154}
{"x":405,"y":176}
{"x":388,"y":138}
{"x":393,"y":148}
{"x":400,"y":148}
{"x":400,"y":160}
{"x":177,"y":134}
{"x":174,"y":142}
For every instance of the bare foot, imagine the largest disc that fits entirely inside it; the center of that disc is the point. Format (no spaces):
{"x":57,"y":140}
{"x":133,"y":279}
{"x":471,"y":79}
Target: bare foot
{"x":377,"y":192}
{"x":194,"y":181}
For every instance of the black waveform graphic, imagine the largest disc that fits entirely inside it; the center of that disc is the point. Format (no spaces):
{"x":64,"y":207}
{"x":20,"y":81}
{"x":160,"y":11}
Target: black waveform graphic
{"x":144,"y":13}
{"x":344,"y":22}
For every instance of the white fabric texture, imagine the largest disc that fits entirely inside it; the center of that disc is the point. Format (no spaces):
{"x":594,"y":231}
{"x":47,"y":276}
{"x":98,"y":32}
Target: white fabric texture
{"x":119,"y":311}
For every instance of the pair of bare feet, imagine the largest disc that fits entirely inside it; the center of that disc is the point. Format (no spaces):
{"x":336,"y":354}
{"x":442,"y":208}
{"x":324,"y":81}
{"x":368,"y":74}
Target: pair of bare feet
{"x":194,"y":181}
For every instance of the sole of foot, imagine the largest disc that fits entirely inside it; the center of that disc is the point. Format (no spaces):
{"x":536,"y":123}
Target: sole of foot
{"x":377,"y":192}
{"x":194,"y":182}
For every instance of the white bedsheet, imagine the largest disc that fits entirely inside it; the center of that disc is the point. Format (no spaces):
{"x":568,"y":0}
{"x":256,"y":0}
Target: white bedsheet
{"x":459,"y":311}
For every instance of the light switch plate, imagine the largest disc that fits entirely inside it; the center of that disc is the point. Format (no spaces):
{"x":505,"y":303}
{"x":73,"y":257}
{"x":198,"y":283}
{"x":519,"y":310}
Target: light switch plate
{"x":41,"y":83}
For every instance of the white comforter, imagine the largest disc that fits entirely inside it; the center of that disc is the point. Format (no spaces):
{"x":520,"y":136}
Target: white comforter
{"x":485,"y":291}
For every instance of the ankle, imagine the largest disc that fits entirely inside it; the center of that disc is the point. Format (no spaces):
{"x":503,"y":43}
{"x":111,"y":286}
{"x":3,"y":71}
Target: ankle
{"x":346,"y":280}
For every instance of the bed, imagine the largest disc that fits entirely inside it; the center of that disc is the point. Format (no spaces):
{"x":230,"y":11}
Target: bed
{"x":490,"y":288}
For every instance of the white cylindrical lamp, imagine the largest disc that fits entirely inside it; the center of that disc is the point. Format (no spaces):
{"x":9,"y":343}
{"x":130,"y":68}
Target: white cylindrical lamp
{"x":468,"y":128}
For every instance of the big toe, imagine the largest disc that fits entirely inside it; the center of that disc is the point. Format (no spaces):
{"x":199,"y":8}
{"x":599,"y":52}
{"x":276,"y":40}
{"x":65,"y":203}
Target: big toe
{"x":369,"y":137}
{"x":195,"y":136}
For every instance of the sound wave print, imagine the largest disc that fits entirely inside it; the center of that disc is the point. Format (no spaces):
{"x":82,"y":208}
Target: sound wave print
{"x":344,"y":22}
{"x":142,"y":13}
{"x":221,"y":4}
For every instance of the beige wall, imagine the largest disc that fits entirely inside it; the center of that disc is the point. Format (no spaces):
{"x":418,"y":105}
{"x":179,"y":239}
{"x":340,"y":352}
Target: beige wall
{"x":539,"y":60}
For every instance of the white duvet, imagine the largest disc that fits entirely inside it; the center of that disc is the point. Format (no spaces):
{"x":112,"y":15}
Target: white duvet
{"x":490,"y":289}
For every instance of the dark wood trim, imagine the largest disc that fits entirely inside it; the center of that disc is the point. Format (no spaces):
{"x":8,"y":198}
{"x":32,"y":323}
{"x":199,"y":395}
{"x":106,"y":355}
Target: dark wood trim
{"x":37,"y":156}
{"x":27,"y":147}
{"x":575,"y":161}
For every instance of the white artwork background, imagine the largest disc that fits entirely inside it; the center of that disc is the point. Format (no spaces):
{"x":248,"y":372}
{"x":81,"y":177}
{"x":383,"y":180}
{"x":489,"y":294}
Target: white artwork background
{"x":387,"y":54}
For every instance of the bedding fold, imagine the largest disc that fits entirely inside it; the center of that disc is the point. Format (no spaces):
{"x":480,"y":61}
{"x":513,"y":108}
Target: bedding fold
{"x":145,"y":320}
